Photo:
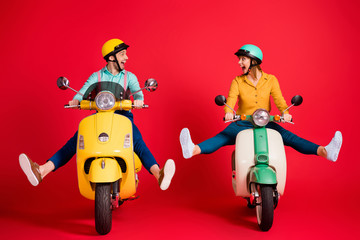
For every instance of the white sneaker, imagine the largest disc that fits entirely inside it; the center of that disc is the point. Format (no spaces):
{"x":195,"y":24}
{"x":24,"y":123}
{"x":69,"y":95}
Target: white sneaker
{"x":31,"y":169}
{"x":333,"y":148}
{"x":187,"y":144}
{"x":166,"y":174}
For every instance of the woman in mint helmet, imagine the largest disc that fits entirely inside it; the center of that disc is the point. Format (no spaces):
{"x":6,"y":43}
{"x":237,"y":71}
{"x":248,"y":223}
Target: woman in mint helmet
{"x":253,"y":90}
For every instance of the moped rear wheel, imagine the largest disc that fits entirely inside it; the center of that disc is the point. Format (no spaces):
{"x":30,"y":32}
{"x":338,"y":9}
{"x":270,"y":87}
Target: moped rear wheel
{"x":265,"y":207}
{"x":103,"y":215}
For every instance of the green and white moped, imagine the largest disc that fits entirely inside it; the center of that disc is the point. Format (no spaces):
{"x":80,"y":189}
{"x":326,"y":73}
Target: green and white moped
{"x":259,"y":163}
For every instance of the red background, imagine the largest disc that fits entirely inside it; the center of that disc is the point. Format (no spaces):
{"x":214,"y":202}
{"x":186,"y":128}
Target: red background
{"x":311,"y":46}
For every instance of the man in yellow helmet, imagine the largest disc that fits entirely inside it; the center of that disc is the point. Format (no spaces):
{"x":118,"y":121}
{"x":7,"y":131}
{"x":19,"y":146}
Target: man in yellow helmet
{"x":114,"y":52}
{"x":110,"y":48}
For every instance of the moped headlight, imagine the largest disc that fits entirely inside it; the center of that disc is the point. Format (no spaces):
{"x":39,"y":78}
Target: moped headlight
{"x":261,"y":117}
{"x":105,"y":100}
{"x":103,"y":137}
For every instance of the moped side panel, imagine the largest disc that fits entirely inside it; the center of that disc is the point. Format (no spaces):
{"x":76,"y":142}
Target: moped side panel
{"x":245,"y":160}
{"x":116,"y":127}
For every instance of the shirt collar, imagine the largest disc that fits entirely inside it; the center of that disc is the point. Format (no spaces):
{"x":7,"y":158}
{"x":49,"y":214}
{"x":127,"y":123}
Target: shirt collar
{"x":263,"y":75}
{"x":105,"y":70}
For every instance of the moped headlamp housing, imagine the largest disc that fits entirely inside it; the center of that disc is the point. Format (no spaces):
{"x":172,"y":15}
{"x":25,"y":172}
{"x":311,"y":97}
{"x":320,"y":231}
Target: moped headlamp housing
{"x":105,"y":100}
{"x":261,"y":117}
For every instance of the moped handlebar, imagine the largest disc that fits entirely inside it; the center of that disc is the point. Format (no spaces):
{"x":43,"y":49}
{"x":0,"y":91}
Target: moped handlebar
{"x":276,"y":118}
{"x":282,"y":120}
{"x":144,"y":106}
{"x":236,"y":118}
{"x":74,"y":106}
{"x":78,"y":106}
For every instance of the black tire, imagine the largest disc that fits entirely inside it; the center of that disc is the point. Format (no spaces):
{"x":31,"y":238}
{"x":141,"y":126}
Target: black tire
{"x":103,"y":215}
{"x":265,"y":208}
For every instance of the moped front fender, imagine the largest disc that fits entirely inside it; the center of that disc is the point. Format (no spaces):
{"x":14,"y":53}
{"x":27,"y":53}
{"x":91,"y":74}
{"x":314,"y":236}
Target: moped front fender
{"x":97,"y":174}
{"x":262,"y":174}
{"x":104,"y":170}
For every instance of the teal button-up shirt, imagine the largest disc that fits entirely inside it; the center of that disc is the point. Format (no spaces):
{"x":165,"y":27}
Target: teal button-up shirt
{"x":131,"y":82}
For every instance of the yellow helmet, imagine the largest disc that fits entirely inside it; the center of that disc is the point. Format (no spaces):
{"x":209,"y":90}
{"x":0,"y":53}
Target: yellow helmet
{"x":112,"y":47}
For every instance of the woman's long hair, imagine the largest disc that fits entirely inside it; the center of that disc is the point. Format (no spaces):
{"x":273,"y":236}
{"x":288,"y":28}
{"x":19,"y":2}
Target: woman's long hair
{"x":253,"y":69}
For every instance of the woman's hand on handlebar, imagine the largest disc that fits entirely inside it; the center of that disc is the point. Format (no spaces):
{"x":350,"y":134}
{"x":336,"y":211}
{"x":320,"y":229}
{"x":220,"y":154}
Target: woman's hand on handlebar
{"x":138,"y":104}
{"x":229,"y":116}
{"x":287,"y":117}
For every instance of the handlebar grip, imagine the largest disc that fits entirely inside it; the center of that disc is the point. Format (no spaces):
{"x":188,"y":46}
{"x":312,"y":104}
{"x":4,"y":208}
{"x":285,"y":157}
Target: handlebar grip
{"x":144,"y":106}
{"x":74,"y":106}
{"x":235,"y":119}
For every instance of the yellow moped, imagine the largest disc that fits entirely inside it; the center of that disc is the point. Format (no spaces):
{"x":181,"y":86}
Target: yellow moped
{"x":106,"y":163}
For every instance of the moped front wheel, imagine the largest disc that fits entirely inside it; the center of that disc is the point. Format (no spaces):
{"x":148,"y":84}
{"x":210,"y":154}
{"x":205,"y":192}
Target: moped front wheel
{"x":265,"y":207}
{"x":103,"y":215}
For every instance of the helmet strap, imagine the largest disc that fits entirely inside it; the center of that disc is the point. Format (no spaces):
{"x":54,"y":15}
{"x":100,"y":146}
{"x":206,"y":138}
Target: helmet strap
{"x":248,"y":71}
{"x":117,"y":62}
{"x":251,"y":65}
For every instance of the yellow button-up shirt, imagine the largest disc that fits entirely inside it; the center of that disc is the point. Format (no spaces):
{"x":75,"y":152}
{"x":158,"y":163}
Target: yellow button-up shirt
{"x":252,"y":98}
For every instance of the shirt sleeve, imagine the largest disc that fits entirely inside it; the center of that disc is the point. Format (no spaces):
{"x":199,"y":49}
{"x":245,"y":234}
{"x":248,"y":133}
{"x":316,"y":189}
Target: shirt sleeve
{"x":134,"y":86}
{"x":91,"y":80}
{"x":277,"y":96}
{"x":233,"y":96}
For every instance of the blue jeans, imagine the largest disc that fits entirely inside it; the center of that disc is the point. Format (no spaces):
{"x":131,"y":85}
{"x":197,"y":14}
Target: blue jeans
{"x":228,"y":137}
{"x":63,"y":156}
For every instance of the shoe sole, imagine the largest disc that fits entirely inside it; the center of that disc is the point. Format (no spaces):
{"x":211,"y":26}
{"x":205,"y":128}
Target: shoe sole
{"x":335,"y":147}
{"x":338,"y":137}
{"x":169,"y":171}
{"x":184,"y":141}
{"x":26,"y":167}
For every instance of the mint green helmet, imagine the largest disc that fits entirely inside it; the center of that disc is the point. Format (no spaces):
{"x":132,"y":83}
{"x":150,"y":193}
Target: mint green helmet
{"x":252,"y":52}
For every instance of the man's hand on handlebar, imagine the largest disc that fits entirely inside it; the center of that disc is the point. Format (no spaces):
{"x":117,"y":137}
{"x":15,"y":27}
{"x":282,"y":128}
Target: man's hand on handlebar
{"x":138,"y":104}
{"x":74,"y":103}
